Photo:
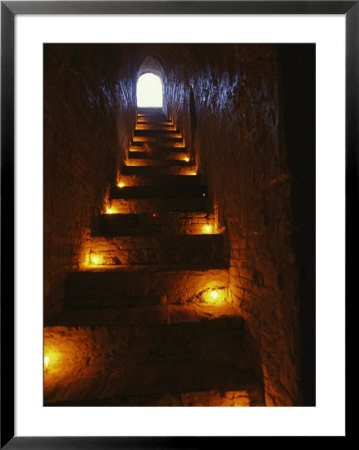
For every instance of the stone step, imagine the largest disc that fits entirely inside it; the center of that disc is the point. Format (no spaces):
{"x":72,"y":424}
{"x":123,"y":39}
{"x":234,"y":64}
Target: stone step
{"x":106,"y":313}
{"x":180,"y":181}
{"x":155,"y":127}
{"x":158,"y":171}
{"x":157,"y":192}
{"x":150,"y":111}
{"x":152,"y":145}
{"x":154,"y":118}
{"x":153,"y":223}
{"x":157,"y":249}
{"x":142,"y":116}
{"x":215,"y":340}
{"x":158,"y":161}
{"x":251,"y":394}
{"x":150,"y":205}
{"x":170,"y":284}
{"x":158,"y":140}
{"x":128,"y":380}
{"x":154,"y":148}
{"x":104,"y":362}
{"x":173,"y":154}
{"x":149,"y":121}
{"x":163,"y":133}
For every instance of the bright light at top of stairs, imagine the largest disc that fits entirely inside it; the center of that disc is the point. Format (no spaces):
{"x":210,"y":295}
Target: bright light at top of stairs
{"x":149,"y":91}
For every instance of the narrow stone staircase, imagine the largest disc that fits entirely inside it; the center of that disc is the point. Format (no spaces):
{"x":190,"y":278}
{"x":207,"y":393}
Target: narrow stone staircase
{"x":148,"y":319}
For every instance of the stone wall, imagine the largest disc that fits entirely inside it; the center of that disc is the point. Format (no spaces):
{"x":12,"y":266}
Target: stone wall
{"x":229,"y":100}
{"x":89,"y":112}
{"x":245,"y":114}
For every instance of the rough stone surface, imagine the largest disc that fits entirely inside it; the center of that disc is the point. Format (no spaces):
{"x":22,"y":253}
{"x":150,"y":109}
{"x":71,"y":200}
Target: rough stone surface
{"x":106,"y":362}
{"x":89,"y":112}
{"x":227,"y":102}
{"x":174,"y":285}
{"x":231,"y":108}
{"x":160,"y":249}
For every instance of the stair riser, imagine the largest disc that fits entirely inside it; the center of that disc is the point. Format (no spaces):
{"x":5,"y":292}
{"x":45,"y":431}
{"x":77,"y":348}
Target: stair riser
{"x":133,"y":162}
{"x":158,"y":139}
{"x":119,"y":312}
{"x":155,"y":127}
{"x":157,"y":343}
{"x":159,"y":171}
{"x":160,"y":192}
{"x":144,"y":360}
{"x":171,"y":182}
{"x":159,"y":256}
{"x":163,"y":148}
{"x":133,"y":206}
{"x":148,"y":250}
{"x":171,"y":287}
{"x":150,"y":225}
{"x":163,"y":133}
{"x":171,"y":156}
{"x":249,"y":397}
{"x":176,"y":145}
{"x":152,"y":113}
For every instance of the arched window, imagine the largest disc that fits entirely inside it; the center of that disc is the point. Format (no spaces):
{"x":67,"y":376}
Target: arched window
{"x":149,"y":91}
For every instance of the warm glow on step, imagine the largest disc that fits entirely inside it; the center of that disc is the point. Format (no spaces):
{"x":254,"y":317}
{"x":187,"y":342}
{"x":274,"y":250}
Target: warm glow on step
{"x":51,"y":359}
{"x":96,"y":259}
{"x":178,"y":145}
{"x":207,"y":229}
{"x":121,"y":184}
{"x":215,"y":297}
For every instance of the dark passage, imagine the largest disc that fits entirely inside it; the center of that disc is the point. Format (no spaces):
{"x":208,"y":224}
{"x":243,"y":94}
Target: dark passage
{"x":179,"y":256}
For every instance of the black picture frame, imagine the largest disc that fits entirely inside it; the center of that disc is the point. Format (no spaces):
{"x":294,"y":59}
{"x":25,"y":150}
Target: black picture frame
{"x":9,"y":9}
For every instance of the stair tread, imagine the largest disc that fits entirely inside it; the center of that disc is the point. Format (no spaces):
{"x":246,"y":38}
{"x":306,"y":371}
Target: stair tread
{"x":162,"y":215}
{"x":154,"y":205}
{"x":150,"y":331}
{"x":142,"y":391}
{"x":153,"y":268}
{"x":138,"y":151}
{"x":147,"y":224}
{"x":175,"y":154}
{"x":155,"y":171}
{"x":166,"y":240}
{"x":158,"y":191}
{"x":143,"y":311}
{"x":171,"y":145}
{"x":149,"y":162}
{"x":249,"y":395}
{"x":149,"y":317}
{"x":135,"y":180}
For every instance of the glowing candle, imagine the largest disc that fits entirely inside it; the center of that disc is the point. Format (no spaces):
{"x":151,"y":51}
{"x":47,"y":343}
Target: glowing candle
{"x":95,"y":259}
{"x":207,"y":229}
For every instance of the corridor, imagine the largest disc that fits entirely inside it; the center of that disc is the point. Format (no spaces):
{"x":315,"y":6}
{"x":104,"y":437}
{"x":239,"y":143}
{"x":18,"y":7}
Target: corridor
{"x":174,"y":273}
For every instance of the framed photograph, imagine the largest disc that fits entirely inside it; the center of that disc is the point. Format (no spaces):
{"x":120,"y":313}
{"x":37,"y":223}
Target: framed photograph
{"x":176,"y":185}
